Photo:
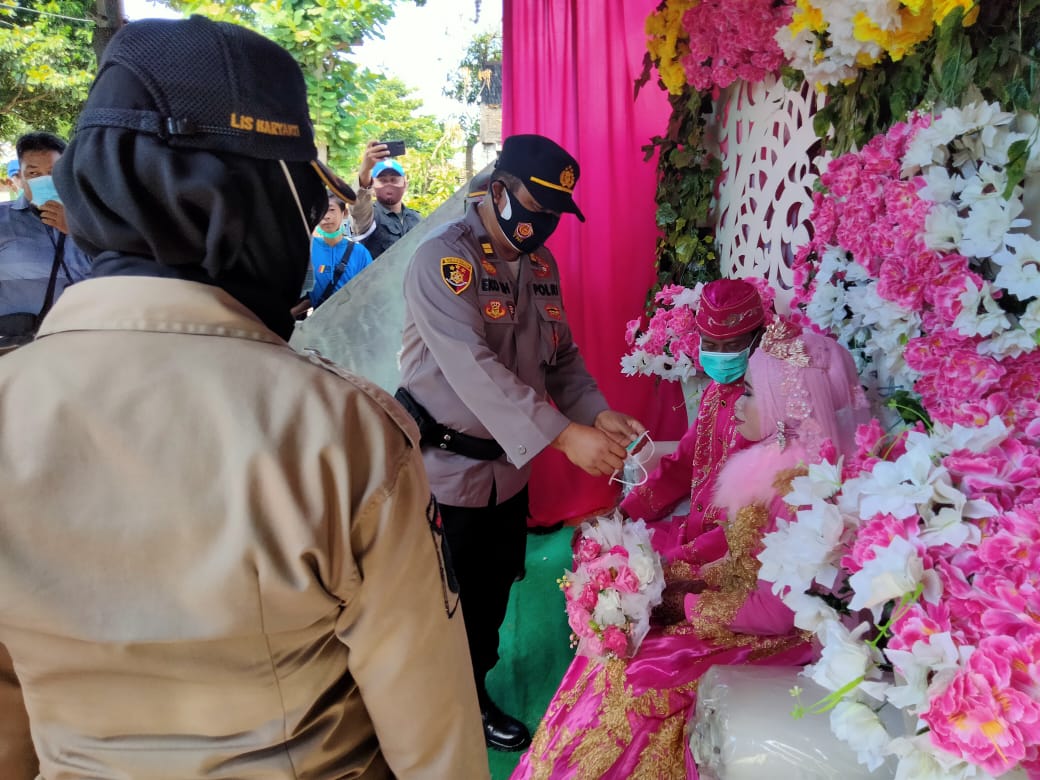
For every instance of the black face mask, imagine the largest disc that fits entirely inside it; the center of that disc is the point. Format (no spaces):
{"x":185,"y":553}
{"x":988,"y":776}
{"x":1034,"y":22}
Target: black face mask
{"x":524,"y":229}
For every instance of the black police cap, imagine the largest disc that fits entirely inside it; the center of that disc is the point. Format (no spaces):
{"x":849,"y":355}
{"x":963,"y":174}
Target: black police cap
{"x":545,"y":168}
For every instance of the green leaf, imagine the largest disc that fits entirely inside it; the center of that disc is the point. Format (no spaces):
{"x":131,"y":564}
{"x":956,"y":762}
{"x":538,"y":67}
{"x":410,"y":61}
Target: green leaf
{"x":1018,"y":156}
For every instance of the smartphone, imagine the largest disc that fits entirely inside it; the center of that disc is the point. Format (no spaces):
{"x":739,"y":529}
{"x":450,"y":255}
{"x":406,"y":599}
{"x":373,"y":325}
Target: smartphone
{"x":396,"y":148}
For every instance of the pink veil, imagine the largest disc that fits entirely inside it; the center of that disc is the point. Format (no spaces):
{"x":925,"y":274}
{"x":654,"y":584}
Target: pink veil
{"x":807,"y":391}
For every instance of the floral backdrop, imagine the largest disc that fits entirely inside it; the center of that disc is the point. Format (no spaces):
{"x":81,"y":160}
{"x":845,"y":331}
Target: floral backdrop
{"x":917,"y":563}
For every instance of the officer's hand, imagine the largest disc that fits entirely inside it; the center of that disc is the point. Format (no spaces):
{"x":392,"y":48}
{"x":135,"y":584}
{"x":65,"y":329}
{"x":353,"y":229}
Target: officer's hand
{"x":590,"y":449}
{"x":374,"y":152}
{"x":53,"y":213}
{"x":619,"y":427}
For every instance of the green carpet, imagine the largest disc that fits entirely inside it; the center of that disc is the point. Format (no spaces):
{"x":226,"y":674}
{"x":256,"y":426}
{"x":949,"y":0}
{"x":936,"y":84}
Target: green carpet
{"x":534,"y":641}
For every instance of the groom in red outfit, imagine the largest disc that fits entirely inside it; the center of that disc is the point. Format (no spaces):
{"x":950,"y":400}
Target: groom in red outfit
{"x":730,"y":319}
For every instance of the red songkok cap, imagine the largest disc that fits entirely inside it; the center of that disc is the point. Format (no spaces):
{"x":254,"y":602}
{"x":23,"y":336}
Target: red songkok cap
{"x":728,"y":308}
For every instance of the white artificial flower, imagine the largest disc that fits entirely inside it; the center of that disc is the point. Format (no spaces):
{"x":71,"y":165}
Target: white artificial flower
{"x":939,"y":186}
{"x":980,"y":314}
{"x":919,"y":759}
{"x":987,"y":222}
{"x":690,"y":296}
{"x":894,"y":487}
{"x":1029,"y":321}
{"x":1019,"y":262}
{"x":988,"y":183}
{"x":826,"y":307}
{"x":844,"y":657}
{"x":937,"y":654}
{"x":608,"y":611}
{"x":822,"y":482}
{"x":859,"y":726}
{"x":1009,"y":344}
{"x":893,"y":572}
{"x":636,"y":362}
{"x":810,"y":612}
{"x":805,"y":550}
{"x":949,"y":439}
{"x":942,"y":227}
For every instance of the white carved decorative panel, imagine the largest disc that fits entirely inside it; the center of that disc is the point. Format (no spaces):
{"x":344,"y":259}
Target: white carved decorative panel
{"x":769,"y":163}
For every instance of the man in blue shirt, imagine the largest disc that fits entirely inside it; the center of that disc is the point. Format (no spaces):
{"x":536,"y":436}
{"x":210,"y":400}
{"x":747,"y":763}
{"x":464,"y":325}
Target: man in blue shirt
{"x":37,"y":259}
{"x":335,"y":259}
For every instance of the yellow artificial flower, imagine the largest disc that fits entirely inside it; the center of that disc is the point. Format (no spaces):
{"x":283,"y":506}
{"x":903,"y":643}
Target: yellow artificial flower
{"x":914,"y":6}
{"x":914,"y":29}
{"x":943,"y":8}
{"x":807,"y":17}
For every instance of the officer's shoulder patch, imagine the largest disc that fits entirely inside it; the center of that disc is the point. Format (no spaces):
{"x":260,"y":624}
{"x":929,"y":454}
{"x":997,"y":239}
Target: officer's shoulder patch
{"x":457,"y":273}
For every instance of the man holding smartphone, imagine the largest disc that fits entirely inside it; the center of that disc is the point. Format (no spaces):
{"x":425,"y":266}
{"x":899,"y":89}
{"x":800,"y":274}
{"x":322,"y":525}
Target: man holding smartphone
{"x":385,"y":220}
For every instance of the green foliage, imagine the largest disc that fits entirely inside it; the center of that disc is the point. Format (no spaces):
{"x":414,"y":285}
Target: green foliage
{"x":350,"y":105}
{"x":996,"y":59}
{"x":320,"y":34}
{"x":430,"y":145}
{"x":478,"y":78}
{"x":46,"y":66}
{"x":686,"y":181}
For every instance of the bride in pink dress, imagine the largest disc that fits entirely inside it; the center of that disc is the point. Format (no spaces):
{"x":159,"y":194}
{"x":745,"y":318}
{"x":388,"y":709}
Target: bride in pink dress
{"x":625,"y":718}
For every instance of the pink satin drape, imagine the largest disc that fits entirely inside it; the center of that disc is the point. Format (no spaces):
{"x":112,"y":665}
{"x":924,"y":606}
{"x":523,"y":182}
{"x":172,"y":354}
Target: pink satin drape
{"x":568,"y":73}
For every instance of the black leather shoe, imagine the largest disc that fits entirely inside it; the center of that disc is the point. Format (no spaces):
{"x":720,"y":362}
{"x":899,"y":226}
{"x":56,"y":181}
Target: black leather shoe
{"x":503,"y":732}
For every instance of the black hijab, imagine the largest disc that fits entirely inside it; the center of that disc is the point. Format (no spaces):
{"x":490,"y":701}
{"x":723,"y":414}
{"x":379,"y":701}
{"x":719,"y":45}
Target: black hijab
{"x":139,"y":207}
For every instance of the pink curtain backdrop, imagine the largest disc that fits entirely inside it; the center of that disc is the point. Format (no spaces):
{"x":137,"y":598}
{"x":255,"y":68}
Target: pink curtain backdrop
{"x":568,"y":73}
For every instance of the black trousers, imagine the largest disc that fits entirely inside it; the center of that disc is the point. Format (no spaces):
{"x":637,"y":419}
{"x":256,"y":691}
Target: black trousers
{"x":487,"y":547}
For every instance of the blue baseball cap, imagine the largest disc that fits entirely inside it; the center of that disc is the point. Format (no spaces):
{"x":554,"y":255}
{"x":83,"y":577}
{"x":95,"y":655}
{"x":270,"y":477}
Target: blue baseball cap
{"x":13,"y":168}
{"x":387,"y":165}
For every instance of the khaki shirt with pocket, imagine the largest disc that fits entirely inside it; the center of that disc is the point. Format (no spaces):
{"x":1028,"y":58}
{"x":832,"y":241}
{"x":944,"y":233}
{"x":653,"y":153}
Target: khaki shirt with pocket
{"x":219,"y":558}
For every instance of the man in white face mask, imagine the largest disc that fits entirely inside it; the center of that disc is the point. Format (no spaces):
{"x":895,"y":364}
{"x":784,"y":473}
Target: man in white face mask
{"x":486,"y":347}
{"x":730,"y":319}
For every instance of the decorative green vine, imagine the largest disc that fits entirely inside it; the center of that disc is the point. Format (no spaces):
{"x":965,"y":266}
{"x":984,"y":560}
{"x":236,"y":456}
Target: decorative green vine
{"x":687,"y":173}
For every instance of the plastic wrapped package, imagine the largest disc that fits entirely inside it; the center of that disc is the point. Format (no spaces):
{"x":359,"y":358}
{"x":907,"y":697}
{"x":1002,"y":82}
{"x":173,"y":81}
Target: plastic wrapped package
{"x":743,"y":729}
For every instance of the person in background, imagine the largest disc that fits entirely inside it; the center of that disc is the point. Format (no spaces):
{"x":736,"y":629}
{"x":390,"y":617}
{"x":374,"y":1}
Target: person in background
{"x":491,"y":373}
{"x":335,"y":258}
{"x":37,"y":261}
{"x":13,"y":182}
{"x":218,"y":557}
{"x":382,"y":223}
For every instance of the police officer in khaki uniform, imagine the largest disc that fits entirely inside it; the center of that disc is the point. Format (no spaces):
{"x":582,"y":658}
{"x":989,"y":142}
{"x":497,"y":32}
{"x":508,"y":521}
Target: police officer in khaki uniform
{"x":218,"y":558}
{"x":491,"y":373}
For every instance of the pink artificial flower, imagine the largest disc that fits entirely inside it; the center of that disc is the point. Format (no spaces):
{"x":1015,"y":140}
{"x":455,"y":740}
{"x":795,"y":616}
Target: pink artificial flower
{"x":632,"y":330}
{"x":593,"y":646}
{"x":618,"y":549}
{"x":588,"y":597}
{"x":615,"y":641}
{"x":917,"y":623}
{"x":587,"y":550}
{"x":579,"y":619}
{"x":626,"y":580}
{"x":601,"y":578}
{"x":878,"y":531}
{"x":1002,"y":475}
{"x":666,"y":296}
{"x":980,"y":716}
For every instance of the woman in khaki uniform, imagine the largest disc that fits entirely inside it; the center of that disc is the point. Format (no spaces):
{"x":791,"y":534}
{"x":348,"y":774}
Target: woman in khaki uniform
{"x":218,"y":558}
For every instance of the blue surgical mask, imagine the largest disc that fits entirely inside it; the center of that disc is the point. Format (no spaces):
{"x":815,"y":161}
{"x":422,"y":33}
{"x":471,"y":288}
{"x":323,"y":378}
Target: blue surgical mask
{"x":725,"y":367}
{"x":43,"y":190}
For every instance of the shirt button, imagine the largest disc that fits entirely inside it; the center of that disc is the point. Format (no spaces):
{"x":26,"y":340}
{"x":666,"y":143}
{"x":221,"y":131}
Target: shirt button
{"x":700,"y":507}
{"x":723,"y":403}
{"x":521,"y":450}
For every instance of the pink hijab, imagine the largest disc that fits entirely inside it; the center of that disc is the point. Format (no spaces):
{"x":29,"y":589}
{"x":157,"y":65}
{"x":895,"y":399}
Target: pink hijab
{"x":806,"y":390}
{"x":807,"y":395}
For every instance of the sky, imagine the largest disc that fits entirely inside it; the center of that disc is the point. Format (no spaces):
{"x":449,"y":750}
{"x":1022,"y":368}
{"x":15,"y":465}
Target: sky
{"x":422,"y":44}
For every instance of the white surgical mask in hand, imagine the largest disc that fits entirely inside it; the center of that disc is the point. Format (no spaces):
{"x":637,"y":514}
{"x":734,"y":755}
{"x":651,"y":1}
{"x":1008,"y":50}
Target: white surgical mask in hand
{"x":634,"y":472}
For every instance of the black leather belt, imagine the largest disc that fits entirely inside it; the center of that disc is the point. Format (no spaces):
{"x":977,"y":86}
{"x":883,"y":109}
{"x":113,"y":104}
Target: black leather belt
{"x":433,"y":434}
